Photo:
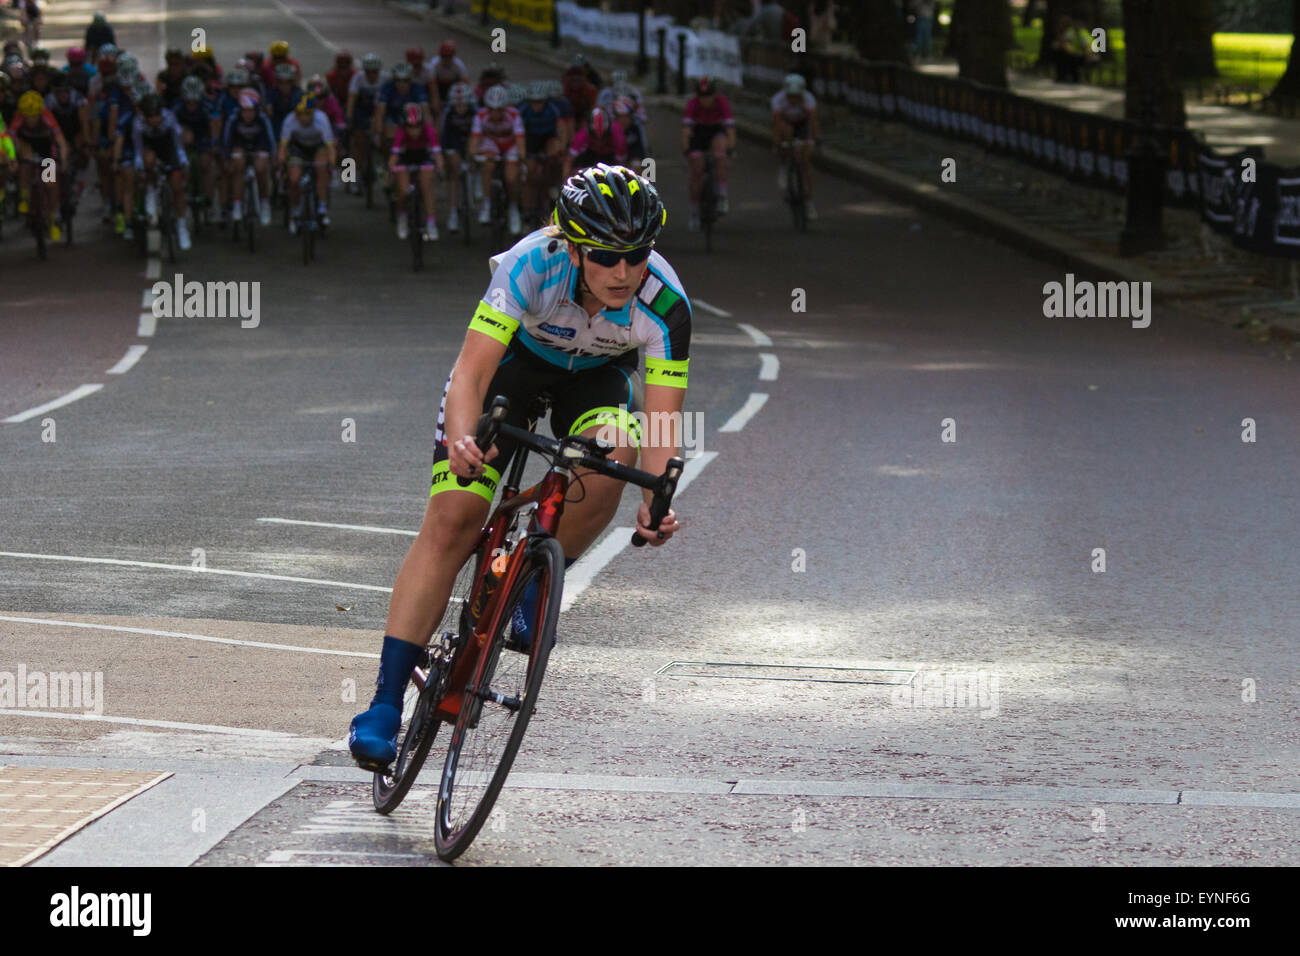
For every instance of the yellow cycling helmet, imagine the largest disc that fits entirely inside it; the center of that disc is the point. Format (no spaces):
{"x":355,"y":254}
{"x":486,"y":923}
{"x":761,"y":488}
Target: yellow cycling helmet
{"x":203,"y":53}
{"x":31,"y":103}
{"x":280,"y":48}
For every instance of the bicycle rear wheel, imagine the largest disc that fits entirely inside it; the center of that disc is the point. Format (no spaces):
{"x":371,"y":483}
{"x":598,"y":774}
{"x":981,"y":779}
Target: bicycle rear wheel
{"x":794,"y":195}
{"x":708,"y":209}
{"x":415,"y":228}
{"x":419,"y":718}
{"x":466,"y":204}
{"x":495,"y":710}
{"x":498,"y":209}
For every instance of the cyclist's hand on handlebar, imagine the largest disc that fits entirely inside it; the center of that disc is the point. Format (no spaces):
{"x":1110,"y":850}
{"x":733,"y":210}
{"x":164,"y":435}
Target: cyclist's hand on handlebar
{"x":465,"y":459}
{"x":667,"y":527}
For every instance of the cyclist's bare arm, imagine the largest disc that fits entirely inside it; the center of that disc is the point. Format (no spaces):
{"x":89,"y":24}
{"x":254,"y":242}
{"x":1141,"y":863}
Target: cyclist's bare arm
{"x":475,"y":366}
{"x":663,"y":403}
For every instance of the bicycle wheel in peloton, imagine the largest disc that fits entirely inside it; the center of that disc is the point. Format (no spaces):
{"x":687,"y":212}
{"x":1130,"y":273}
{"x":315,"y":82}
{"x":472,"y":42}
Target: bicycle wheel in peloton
{"x":708,"y":209}
{"x":419,"y":721}
{"x":498,"y":210}
{"x":466,"y":204}
{"x":39,"y":225}
{"x":495,"y":711}
{"x":251,"y":211}
{"x":368,"y":176}
{"x":794,"y":195}
{"x":415,"y":228}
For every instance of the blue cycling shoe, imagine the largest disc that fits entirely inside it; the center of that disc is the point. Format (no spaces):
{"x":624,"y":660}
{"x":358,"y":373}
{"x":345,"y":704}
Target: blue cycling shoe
{"x":372,"y":737}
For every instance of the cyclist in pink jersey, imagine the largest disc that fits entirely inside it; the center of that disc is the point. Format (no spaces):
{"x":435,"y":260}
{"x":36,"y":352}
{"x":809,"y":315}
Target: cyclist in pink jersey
{"x":707,"y":125}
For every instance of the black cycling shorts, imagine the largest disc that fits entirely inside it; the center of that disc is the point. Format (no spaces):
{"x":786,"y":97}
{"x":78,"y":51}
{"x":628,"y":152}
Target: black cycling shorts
{"x":702,"y":137}
{"x":577,"y":399}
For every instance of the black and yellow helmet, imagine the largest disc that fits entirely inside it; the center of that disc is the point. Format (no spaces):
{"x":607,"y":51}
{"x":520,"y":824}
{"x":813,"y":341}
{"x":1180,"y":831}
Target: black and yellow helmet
{"x":609,"y":207}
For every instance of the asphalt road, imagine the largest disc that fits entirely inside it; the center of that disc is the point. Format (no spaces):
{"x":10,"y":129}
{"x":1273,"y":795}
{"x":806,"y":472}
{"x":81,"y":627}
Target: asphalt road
{"x":835,"y":528}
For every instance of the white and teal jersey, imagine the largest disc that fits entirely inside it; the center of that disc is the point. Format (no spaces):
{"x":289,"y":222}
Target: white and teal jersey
{"x":532,"y":299}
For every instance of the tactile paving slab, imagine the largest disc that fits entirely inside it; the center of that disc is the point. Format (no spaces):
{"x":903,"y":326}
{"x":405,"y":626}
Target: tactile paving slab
{"x":42,"y":806}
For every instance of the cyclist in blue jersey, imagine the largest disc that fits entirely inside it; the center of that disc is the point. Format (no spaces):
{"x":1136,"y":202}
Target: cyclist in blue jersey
{"x":453,"y":134}
{"x":282,"y":97}
{"x":248,"y":138}
{"x":541,"y":119}
{"x":363,"y":94}
{"x":393,"y":97}
{"x":565,"y":315}
{"x":195,"y":118}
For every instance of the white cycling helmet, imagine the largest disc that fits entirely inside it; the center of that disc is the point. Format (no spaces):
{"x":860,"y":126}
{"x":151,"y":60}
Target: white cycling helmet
{"x":794,"y":83}
{"x":496,"y":97}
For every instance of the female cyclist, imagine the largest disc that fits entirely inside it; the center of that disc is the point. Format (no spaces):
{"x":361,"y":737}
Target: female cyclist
{"x":565,"y":314}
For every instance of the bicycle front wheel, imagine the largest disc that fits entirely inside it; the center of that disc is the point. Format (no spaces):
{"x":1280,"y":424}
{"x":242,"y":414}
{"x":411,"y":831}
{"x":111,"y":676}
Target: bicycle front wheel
{"x":496,"y":707}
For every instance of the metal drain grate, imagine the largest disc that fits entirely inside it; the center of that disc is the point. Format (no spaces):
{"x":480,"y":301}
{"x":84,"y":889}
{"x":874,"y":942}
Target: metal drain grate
{"x":727,"y":670}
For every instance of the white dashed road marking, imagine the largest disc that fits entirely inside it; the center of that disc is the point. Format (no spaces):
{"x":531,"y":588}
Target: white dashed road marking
{"x":747,"y":411}
{"x":81,"y":391}
{"x":133,"y":354}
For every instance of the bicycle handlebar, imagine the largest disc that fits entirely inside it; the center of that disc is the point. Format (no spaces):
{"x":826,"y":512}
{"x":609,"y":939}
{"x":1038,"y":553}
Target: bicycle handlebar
{"x":492,"y":423}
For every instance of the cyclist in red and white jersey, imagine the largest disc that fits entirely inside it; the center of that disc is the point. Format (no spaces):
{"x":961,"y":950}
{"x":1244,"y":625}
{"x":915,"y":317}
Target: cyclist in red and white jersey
{"x":498,"y":134}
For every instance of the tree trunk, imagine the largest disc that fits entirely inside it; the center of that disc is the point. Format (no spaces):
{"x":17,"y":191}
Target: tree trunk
{"x":1052,"y":11}
{"x":1288,"y":87}
{"x":985,"y":31}
{"x":1193,"y":30}
{"x":1152,"y":90}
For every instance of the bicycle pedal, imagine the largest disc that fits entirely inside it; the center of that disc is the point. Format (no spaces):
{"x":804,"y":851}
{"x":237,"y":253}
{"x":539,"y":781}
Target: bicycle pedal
{"x":374,"y":766}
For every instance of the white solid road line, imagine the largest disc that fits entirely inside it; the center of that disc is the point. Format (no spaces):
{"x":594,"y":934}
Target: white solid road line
{"x":193,"y":570}
{"x":747,"y":411}
{"x":128,"y":360}
{"x":81,"y":391}
{"x":692,"y":470}
{"x":721,"y":313}
{"x":153,"y":268}
{"x":345,"y":527}
{"x":771,"y":366}
{"x":316,"y":34}
{"x":189,"y":637}
{"x":579,"y":577}
{"x":170,"y":724}
{"x":758,"y":337}
{"x":148,"y":325}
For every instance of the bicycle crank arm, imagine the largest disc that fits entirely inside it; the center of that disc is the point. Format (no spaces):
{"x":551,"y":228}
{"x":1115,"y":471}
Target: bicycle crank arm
{"x":511,"y":704}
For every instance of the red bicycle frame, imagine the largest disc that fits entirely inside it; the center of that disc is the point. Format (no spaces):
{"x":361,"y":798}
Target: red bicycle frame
{"x":549,"y":496}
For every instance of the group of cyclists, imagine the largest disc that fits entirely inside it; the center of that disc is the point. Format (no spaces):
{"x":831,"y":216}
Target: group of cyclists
{"x":195,"y":129}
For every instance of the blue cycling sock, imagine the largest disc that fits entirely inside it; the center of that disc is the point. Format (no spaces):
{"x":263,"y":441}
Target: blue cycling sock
{"x":396,"y":661}
{"x":528,"y":604}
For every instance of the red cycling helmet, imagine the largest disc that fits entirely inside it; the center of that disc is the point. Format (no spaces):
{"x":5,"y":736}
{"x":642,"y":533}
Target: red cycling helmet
{"x":76,"y":55}
{"x":343,"y":58}
{"x":707,"y":85}
{"x":447,"y":48}
{"x":414,"y":115}
{"x":414,"y":56}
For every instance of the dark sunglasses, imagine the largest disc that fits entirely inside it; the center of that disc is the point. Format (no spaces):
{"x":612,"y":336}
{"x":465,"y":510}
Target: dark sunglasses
{"x":609,"y":258}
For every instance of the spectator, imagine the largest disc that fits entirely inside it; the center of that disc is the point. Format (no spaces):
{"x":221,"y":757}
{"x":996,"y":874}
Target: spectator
{"x":97,"y":34}
{"x":1072,"y":49}
{"x":924,"y":27}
